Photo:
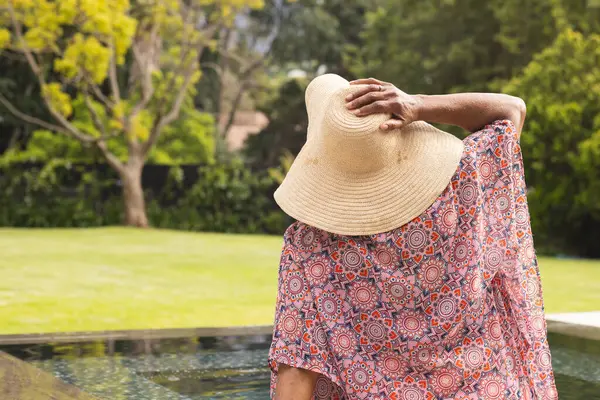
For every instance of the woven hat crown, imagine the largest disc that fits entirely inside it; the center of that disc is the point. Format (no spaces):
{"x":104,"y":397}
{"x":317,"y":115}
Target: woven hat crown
{"x":350,"y":144}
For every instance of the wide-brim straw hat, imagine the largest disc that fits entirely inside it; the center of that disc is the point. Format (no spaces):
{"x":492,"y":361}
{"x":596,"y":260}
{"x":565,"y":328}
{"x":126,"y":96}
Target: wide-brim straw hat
{"x":352,"y":178}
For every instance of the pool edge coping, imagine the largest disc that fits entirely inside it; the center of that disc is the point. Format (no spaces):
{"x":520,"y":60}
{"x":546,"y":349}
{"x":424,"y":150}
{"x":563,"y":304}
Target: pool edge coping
{"x":572,"y":324}
{"x":556,"y":323}
{"x":136,"y":334}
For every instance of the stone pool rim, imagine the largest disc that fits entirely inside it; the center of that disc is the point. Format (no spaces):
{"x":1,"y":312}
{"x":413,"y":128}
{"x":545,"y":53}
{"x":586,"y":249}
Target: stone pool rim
{"x":571,"y":324}
{"x":135,"y":334}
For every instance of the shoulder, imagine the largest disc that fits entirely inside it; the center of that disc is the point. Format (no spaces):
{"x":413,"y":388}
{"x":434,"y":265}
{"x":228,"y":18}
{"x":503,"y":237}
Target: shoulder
{"x":494,"y":136}
{"x":495,"y":146}
{"x":304,"y":239}
{"x":490,"y":155}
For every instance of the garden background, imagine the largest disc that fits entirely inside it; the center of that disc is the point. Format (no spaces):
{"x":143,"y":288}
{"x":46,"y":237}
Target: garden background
{"x":185,"y":115}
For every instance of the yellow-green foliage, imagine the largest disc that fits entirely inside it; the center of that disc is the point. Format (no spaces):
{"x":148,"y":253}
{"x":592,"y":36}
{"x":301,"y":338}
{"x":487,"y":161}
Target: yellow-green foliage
{"x":59,"y":99}
{"x":84,"y":53}
{"x":83,"y":40}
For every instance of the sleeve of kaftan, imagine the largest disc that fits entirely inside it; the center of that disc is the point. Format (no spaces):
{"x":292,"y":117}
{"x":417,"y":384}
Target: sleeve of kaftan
{"x":520,"y":274}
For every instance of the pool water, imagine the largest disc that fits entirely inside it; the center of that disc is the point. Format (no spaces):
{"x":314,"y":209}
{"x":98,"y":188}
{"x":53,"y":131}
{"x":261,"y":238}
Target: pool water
{"x":233,"y":367}
{"x":222,"y":384}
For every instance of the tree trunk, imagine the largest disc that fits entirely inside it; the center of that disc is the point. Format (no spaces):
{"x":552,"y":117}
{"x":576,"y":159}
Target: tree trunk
{"x":133,"y":197}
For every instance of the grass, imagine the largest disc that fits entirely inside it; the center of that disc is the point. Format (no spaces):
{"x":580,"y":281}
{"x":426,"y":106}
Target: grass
{"x":570,"y":285}
{"x":118,"y":278}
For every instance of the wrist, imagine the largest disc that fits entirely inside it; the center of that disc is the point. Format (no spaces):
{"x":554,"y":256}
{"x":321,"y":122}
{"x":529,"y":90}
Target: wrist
{"x":420,"y":106}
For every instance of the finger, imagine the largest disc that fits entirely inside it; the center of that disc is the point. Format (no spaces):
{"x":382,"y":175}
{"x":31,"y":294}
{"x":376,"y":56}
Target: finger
{"x":367,"y":81}
{"x":368,"y":98}
{"x":368,"y":88}
{"x":377,"y":107}
{"x":392,"y":124}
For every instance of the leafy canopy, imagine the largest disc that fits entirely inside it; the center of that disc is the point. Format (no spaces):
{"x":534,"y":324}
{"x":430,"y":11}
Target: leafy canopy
{"x":561,"y":139}
{"x":113,"y":70}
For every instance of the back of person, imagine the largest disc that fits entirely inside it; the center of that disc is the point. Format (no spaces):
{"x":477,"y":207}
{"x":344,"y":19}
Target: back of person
{"x":446,"y":306}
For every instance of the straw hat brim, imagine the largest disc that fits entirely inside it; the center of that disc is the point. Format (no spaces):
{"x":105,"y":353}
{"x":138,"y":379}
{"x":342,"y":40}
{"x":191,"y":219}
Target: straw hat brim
{"x":315,"y":193}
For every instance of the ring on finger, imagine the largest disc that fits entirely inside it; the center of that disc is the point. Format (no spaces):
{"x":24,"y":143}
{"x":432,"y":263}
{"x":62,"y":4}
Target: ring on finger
{"x":381,"y":88}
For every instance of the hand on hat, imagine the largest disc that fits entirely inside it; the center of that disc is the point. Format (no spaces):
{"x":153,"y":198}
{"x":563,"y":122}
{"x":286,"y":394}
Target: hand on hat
{"x":380,"y":97}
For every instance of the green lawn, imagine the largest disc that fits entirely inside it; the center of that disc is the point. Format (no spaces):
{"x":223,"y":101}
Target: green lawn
{"x":117,"y":278}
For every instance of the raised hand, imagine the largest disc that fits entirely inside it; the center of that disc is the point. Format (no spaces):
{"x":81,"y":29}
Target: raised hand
{"x":378,"y":97}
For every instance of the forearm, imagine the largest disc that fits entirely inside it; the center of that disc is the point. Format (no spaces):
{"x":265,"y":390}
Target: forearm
{"x":471,"y":111}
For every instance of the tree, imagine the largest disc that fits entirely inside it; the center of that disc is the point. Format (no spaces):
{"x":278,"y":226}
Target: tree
{"x":287,"y":127}
{"x":316,"y":33}
{"x":312,"y":38}
{"x":15,"y":77}
{"x":581,"y":15}
{"x":188,"y":140}
{"x":78,"y":50}
{"x":239,"y":65}
{"x":244,"y":51}
{"x":432,"y":46}
{"x":561,"y":141}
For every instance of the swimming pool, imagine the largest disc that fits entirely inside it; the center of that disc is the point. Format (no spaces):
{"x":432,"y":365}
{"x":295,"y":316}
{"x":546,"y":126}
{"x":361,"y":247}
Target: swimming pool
{"x":232,"y":367}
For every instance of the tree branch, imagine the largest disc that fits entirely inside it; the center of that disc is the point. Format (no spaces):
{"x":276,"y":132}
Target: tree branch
{"x":180,"y":69}
{"x":233,"y":111}
{"x":228,"y":55}
{"x":215,"y":67}
{"x":111,"y":159}
{"x":96,"y":120}
{"x":71,"y":130}
{"x":98,"y":93}
{"x":30,"y":59}
{"x":144,"y":63}
{"x":246,"y":73}
{"x":112,"y":75}
{"x":244,"y":76}
{"x":30,"y":119}
{"x":146,"y":81}
{"x":165,"y":120}
{"x":143,"y":103}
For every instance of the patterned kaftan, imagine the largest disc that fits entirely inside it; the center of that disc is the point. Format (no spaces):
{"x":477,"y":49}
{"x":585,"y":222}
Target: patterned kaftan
{"x":448,"y":306}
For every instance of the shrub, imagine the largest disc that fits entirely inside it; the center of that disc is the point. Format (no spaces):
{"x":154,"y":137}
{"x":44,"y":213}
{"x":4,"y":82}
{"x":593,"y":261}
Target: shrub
{"x":218,"y":197}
